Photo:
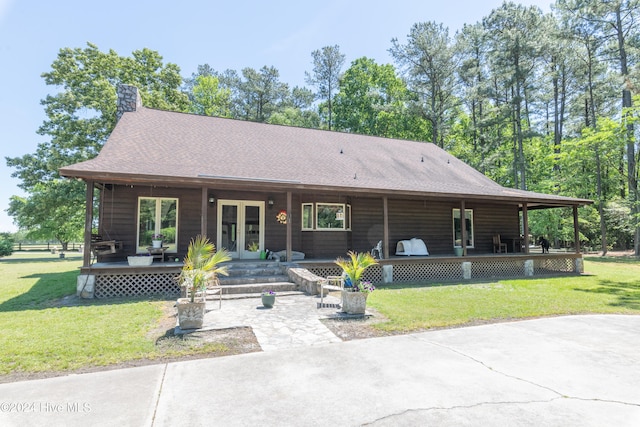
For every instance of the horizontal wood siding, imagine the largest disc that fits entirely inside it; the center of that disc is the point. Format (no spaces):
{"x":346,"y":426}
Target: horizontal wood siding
{"x":367,"y":223}
{"x":119,"y":216}
{"x":490,"y":220}
{"x":425,"y":219}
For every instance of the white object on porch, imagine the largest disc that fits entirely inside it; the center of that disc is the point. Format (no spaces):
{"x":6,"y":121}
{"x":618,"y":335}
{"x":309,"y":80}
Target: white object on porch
{"x":295,"y":256}
{"x":414,"y":246}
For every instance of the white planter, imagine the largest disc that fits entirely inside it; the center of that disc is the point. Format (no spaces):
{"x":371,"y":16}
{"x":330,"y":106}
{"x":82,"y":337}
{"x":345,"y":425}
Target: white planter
{"x":157,"y":244}
{"x":190,"y":314}
{"x":354,"y":302}
{"x":139,"y":260}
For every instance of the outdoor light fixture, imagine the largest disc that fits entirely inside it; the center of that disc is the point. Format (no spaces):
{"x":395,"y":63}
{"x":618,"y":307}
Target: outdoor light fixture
{"x":212,"y":200}
{"x":270,"y":202}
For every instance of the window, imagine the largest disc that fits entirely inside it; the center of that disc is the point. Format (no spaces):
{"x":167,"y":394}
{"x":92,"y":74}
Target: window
{"x":307,"y":216}
{"x":327,"y":216}
{"x":457,"y":229}
{"x":157,"y":215}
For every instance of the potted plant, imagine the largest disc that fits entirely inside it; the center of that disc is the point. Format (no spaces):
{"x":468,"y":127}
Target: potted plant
{"x":356,"y":291}
{"x":268,"y":298}
{"x":200,"y":267}
{"x":156,"y":240}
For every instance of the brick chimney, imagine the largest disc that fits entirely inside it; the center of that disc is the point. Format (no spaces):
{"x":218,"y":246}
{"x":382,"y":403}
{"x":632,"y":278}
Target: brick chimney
{"x":128,"y":100}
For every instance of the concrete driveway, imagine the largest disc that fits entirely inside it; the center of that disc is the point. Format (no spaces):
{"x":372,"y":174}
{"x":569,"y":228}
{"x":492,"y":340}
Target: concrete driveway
{"x":567,"y":371}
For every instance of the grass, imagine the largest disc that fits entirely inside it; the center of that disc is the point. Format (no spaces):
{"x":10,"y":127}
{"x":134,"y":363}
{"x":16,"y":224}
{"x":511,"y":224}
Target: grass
{"x":42,"y":331}
{"x":45,"y":328}
{"x":610,"y":286}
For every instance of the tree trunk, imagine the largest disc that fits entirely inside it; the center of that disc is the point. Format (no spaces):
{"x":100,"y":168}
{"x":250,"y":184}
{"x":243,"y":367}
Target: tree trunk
{"x":632,"y":179}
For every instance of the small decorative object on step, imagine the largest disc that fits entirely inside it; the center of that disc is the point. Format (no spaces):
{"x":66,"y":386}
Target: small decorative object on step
{"x":268,"y":298}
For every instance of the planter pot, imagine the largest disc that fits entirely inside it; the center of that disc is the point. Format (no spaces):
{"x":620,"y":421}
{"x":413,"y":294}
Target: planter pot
{"x":157,"y":244}
{"x":140,"y":260}
{"x":190,"y":314}
{"x":354,"y":302}
{"x":268,"y":300}
{"x":458,"y":251}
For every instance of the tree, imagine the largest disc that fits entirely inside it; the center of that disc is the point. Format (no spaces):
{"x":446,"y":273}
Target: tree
{"x":609,"y":27}
{"x":372,"y":101}
{"x":516,"y":45}
{"x":6,"y":244}
{"x":80,"y":116}
{"x":429,"y":67}
{"x":50,"y":212}
{"x":209,"y":99}
{"x":261,"y":93}
{"x":327,"y":66}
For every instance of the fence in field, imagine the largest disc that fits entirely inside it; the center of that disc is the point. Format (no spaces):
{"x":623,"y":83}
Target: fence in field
{"x":48,"y":246}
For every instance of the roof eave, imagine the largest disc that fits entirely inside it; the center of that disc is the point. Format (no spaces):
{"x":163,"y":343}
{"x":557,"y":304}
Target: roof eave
{"x":533,"y":201}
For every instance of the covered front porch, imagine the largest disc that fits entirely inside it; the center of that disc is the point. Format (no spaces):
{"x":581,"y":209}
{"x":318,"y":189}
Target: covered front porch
{"x":117,"y":279}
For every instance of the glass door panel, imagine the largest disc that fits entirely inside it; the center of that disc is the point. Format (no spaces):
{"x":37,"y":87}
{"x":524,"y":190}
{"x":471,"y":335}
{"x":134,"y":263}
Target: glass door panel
{"x":252,"y":235}
{"x":228,"y":229}
{"x":241,"y":228}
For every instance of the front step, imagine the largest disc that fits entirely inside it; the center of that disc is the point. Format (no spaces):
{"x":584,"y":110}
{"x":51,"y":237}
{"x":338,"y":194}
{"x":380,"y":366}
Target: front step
{"x":249,"y":280}
{"x":253,"y":277}
{"x":257,"y":288}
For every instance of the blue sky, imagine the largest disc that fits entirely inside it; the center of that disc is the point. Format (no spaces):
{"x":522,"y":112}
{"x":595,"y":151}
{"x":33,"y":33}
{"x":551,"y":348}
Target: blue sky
{"x":230,"y":34}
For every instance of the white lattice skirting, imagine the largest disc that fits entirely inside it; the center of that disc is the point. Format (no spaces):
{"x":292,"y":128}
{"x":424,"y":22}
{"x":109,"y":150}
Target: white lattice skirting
{"x":454,"y":270}
{"x":140,"y":284}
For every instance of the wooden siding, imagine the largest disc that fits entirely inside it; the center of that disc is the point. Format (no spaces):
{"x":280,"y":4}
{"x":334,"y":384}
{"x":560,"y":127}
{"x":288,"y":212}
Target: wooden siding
{"x":429,"y":220}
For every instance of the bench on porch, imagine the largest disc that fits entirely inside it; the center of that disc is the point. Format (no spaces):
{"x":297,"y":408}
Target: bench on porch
{"x":102,"y":247}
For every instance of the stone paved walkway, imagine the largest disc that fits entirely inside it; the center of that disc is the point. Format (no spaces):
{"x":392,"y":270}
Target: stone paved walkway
{"x":294,"y":320}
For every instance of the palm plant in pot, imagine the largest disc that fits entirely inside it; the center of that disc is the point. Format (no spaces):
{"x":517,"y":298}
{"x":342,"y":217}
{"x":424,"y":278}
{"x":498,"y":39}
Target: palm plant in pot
{"x":201,"y":266}
{"x":356,"y":291}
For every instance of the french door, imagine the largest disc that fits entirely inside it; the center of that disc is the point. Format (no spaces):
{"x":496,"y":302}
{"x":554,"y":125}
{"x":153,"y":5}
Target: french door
{"x":240,"y":228}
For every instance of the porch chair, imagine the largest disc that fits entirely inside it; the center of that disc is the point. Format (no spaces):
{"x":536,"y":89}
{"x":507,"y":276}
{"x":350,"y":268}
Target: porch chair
{"x":376,"y":252}
{"x":213,"y":290}
{"x":498,"y":246}
{"x":331,"y":283}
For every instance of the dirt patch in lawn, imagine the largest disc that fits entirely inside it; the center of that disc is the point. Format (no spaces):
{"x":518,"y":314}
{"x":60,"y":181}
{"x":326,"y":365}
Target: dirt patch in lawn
{"x":349,"y":328}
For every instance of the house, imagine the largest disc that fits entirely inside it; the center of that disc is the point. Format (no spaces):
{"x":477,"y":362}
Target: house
{"x":313,"y":193}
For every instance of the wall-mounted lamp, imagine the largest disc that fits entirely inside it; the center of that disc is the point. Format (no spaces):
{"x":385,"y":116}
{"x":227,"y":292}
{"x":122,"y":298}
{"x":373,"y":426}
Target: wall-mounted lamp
{"x":212,"y":200}
{"x":270,"y":202}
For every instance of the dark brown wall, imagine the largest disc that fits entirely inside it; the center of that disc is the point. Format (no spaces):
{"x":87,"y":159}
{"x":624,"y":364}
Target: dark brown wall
{"x":119,"y":211}
{"x":425,"y":219}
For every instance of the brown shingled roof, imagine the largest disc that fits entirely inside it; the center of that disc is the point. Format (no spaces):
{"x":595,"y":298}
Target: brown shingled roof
{"x":166,"y":147}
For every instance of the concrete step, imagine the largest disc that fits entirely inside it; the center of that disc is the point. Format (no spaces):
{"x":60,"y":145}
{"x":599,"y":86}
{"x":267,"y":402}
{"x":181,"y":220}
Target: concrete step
{"x":257,"y":288}
{"x":248,"y":280}
{"x":258,"y":271}
{"x":258,"y":295}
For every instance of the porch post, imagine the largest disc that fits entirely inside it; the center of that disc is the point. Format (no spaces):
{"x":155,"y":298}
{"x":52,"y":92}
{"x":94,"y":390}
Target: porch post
{"x":463,"y":228}
{"x":88,"y":220}
{"x":289,"y":237}
{"x":385,"y":227}
{"x":576,"y":231}
{"x":525,"y":227}
{"x":203,"y":212}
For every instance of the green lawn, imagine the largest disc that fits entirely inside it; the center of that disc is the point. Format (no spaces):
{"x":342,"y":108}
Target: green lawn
{"x":609,"y":285}
{"x":42,"y":332}
{"x":45,"y":328}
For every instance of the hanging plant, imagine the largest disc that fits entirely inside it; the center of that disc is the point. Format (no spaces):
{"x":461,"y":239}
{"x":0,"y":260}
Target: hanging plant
{"x":282,"y":217}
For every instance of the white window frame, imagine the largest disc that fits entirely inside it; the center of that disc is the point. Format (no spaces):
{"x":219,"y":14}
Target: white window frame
{"x":173,"y":247}
{"x":468,"y":214}
{"x":315,"y":208}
